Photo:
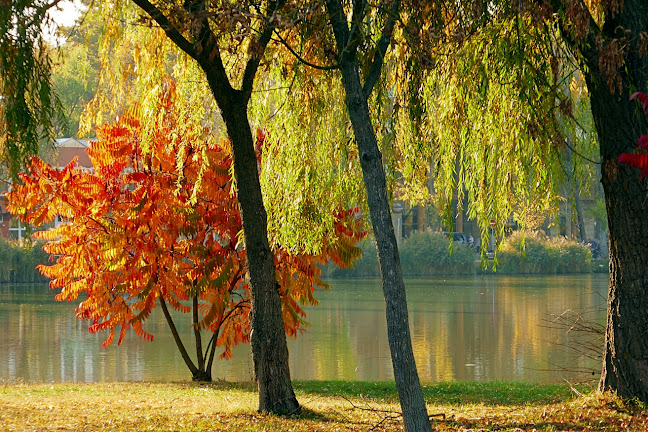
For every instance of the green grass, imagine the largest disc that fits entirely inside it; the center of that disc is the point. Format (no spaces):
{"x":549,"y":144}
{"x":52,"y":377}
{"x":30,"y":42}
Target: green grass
{"x":328,"y":406}
{"x":498,"y":393}
{"x":488,"y":393}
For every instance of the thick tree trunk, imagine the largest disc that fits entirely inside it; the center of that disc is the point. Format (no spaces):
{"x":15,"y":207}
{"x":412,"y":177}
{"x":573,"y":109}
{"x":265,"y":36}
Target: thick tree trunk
{"x":268,"y":338}
{"x":625,"y":363}
{"x":619,"y":122}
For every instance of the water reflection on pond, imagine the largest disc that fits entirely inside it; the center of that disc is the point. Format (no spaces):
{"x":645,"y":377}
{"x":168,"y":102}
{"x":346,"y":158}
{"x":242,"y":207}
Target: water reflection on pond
{"x":477,"y":328}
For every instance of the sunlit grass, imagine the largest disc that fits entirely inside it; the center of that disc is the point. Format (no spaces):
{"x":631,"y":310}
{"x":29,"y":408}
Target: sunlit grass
{"x":328,"y":406}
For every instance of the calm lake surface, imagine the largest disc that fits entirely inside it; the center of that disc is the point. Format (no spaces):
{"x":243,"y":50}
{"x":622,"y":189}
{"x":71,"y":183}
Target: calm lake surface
{"x":463,"y":328}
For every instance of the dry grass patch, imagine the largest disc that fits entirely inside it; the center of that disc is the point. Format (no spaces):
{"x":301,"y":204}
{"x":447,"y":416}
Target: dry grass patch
{"x":184,"y":407}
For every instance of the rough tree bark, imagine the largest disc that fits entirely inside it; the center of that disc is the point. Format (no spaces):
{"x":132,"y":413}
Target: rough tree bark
{"x":415,"y":415}
{"x":619,"y":123}
{"x":268,"y":338}
{"x":398,"y":333}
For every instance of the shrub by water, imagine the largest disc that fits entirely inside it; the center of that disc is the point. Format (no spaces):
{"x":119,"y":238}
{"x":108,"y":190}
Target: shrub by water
{"x":534,"y":252}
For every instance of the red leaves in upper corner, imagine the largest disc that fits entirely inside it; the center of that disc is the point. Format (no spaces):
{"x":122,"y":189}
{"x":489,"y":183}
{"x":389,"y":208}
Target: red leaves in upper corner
{"x":639,"y":161}
{"x":639,"y":158}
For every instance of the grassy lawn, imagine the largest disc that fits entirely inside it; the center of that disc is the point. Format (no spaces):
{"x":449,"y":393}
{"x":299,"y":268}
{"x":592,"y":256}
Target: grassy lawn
{"x":328,"y":406}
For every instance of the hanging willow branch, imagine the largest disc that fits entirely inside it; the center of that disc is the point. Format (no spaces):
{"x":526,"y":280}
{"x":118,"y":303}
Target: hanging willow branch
{"x":29,"y":108}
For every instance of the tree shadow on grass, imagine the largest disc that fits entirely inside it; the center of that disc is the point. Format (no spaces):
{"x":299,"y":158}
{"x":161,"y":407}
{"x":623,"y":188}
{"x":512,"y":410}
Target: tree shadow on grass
{"x":318,"y":416}
{"x":250,"y":387}
{"x":246,"y":386}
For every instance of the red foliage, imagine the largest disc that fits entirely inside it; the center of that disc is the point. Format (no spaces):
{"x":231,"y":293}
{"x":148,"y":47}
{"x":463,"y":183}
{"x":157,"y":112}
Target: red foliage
{"x":639,"y":158}
{"x":642,"y":98}
{"x":145,"y":226}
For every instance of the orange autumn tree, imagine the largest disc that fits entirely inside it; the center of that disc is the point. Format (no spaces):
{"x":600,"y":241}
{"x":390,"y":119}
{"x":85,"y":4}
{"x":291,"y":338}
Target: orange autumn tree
{"x":159,"y":224}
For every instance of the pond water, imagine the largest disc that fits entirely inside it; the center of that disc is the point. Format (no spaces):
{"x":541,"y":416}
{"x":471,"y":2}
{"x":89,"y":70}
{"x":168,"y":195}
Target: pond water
{"x":463,"y":328}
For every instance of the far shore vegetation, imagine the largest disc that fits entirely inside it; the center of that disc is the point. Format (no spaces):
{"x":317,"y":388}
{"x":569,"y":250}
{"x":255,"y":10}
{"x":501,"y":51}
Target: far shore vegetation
{"x":422,"y":254}
{"x":429,"y":253}
{"x":327,"y":406}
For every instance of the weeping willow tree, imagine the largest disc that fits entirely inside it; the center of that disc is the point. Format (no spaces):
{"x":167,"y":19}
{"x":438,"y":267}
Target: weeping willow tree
{"x":498,"y":115}
{"x":28,"y":105}
{"x":346,"y":45}
{"x":504,"y":97}
{"x":362,"y":40}
{"x":611,"y":43}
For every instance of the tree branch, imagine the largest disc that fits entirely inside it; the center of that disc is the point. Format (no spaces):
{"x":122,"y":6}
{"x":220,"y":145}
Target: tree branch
{"x":211,"y":351}
{"x":381,"y":49}
{"x":211,"y":346}
{"x":587,"y":48}
{"x":197,"y":336}
{"x":171,"y":31}
{"x":340,"y":29}
{"x":257,"y":49}
{"x":204,"y":50}
{"x":40,"y":12}
{"x":176,"y":337}
{"x":359,"y":8}
{"x":303,"y":60}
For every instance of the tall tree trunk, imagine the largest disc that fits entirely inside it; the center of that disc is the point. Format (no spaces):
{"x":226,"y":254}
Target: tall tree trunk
{"x":400,"y":343}
{"x":420,"y":217}
{"x":268,"y":338}
{"x":619,"y":122}
{"x":412,"y":403}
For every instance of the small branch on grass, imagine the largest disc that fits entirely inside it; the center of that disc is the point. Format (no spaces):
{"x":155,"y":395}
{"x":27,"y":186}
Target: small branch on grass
{"x":383,"y":420}
{"x":387,"y":415}
{"x":572,"y":388}
{"x":371,"y":409}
